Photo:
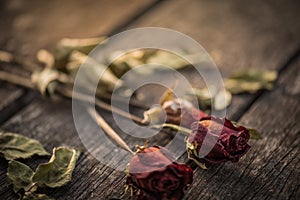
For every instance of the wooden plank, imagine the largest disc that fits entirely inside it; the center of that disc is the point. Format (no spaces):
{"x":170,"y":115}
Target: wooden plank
{"x":27,"y":26}
{"x":37,"y":24}
{"x":271,"y":169}
{"x":237,"y":35}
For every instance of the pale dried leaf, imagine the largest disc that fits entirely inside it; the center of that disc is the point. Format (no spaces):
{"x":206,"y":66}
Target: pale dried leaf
{"x":58,"y":171}
{"x":19,"y":175}
{"x":34,"y":196}
{"x":14,"y":146}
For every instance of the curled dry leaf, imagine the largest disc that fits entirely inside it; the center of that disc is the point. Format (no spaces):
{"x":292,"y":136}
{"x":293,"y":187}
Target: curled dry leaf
{"x":6,"y":56}
{"x":66,"y":45}
{"x":250,"y":81}
{"x":46,"y":58}
{"x":168,"y":59}
{"x":19,"y":175}
{"x":14,"y":146}
{"x":219,"y":100}
{"x":174,"y":61}
{"x":120,"y":62}
{"x":58,"y":171}
{"x":91,"y":71}
{"x":219,"y":103}
{"x":34,"y":196}
{"x":254,"y":134}
{"x":46,"y":80}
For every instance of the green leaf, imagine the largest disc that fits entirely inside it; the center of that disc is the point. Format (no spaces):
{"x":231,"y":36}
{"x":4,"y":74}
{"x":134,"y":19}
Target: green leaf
{"x":19,"y":175}
{"x":58,"y":171}
{"x":254,"y":134}
{"x":251,"y":81}
{"x":14,"y":146}
{"x":34,"y":196}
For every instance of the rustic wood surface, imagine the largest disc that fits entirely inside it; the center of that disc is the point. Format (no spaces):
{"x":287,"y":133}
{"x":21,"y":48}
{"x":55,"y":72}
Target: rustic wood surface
{"x":236,"y":34}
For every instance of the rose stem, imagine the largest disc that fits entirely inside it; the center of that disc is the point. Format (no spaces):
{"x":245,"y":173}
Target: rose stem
{"x":32,"y":66}
{"x":183,"y":130}
{"x":82,"y":97}
{"x":18,"y":80}
{"x":121,"y":100}
{"x":102,"y":123}
{"x":200,"y":164}
{"x":8,"y":57}
{"x":15,"y":79}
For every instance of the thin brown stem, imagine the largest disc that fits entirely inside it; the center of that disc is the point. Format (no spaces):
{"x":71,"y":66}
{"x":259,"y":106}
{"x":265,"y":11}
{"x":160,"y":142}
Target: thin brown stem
{"x":200,"y":164}
{"x":122,"y":100}
{"x":186,"y":131}
{"x":86,"y":98}
{"x":24,"y":82}
{"x":103,"y":124}
{"x":15,"y":79}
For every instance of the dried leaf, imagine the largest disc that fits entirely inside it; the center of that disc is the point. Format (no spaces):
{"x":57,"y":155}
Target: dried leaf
{"x":219,"y":103}
{"x":6,"y":56}
{"x":251,"y":81}
{"x":213,"y":97}
{"x":14,"y":146}
{"x":254,"y":134}
{"x":45,"y":57}
{"x":20,"y":175}
{"x":58,"y":171}
{"x":261,"y":75}
{"x":45,"y":81}
{"x":121,"y":62}
{"x":168,"y":95}
{"x":34,"y":196}
{"x":66,"y":45}
{"x":203,"y":94}
{"x":168,"y":59}
{"x":155,"y":115}
{"x":91,"y":71}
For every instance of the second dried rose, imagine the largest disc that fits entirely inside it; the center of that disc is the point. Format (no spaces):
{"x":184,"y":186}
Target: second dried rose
{"x":155,"y":174}
{"x":227,"y":141}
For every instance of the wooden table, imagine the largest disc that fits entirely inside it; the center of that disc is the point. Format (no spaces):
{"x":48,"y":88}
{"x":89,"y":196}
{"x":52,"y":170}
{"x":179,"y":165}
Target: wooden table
{"x":238,"y":35}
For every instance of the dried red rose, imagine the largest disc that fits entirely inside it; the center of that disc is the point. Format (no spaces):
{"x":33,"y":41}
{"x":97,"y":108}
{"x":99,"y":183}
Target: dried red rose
{"x":231,"y":144}
{"x":156,"y":175}
{"x":178,"y":111}
{"x":182,"y":112}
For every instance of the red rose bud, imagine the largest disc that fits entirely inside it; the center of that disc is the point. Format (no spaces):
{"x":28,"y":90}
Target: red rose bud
{"x":231,"y":144}
{"x":182,"y":112}
{"x":178,"y":111}
{"x":156,"y":175}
